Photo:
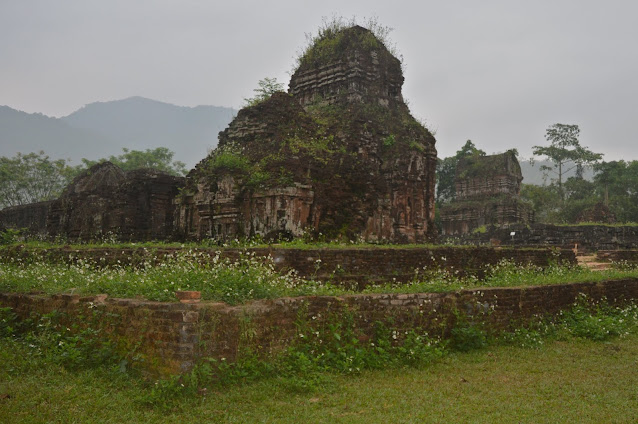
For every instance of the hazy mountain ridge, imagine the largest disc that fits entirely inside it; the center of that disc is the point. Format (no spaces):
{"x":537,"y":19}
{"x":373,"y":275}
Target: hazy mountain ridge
{"x":25,"y":132}
{"x":103,"y":128}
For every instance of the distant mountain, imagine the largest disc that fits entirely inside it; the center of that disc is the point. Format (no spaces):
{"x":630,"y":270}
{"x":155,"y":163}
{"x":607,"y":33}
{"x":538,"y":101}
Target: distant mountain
{"x":24,"y":132}
{"x":102,"y":129}
{"x":532,"y":174}
{"x":141,"y":123}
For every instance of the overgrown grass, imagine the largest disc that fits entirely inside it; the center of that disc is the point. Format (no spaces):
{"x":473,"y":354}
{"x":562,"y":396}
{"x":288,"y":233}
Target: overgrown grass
{"x":250,"y":278}
{"x":218,"y":279}
{"x":503,"y":274}
{"x":581,"y":370}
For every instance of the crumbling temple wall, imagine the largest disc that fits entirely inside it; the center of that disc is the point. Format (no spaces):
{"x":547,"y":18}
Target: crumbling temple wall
{"x":349,"y":69}
{"x":227,"y":195}
{"x":104,"y":201}
{"x":487,"y":194}
{"x":31,"y":218}
{"x":622,"y":257}
{"x":580,"y":238}
{"x":587,"y":237}
{"x":340,"y":156}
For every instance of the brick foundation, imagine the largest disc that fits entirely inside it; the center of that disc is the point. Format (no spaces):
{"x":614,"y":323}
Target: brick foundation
{"x":170,"y":337}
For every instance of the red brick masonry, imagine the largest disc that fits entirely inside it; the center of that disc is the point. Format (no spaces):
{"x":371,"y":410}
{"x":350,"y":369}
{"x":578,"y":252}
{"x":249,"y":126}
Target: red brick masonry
{"x":170,"y":337}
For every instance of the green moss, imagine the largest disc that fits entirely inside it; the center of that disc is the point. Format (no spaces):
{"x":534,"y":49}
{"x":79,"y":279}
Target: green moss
{"x":479,"y":165}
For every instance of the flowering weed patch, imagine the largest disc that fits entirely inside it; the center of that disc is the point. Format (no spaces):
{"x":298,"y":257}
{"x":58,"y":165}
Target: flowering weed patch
{"x":503,"y":274}
{"x":218,"y":279}
{"x":596,"y":321}
{"x":250,"y":277}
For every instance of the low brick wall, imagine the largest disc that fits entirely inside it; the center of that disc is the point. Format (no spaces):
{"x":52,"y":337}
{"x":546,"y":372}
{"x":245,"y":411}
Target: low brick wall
{"x":31,"y":217}
{"x":588,"y":237}
{"x":170,"y":337}
{"x":629,"y":256}
{"x":347,"y":265}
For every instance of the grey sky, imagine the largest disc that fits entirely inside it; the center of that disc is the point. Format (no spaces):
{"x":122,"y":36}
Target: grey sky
{"x":496,"y":72}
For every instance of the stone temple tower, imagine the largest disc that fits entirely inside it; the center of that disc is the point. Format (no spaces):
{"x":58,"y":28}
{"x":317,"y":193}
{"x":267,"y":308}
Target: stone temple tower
{"x":338,"y":156}
{"x":487,"y":194}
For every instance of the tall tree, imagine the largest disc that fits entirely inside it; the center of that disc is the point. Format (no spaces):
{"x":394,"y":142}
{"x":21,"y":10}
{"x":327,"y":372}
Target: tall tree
{"x":446,"y":171}
{"x":32,"y":177}
{"x":565,"y":152}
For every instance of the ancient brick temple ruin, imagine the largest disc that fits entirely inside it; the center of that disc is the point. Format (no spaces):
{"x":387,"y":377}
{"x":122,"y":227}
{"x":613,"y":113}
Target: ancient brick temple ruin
{"x":487,"y":194}
{"x":103,"y":201}
{"x":339,"y":155}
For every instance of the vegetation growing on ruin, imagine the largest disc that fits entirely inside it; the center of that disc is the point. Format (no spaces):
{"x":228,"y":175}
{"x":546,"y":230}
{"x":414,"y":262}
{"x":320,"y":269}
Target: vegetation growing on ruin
{"x":265,"y":89}
{"x":479,"y":165}
{"x":229,"y":159}
{"x":395,"y":129}
{"x":331,"y":41}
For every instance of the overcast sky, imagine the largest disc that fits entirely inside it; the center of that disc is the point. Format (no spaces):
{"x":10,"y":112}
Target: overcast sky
{"x":496,"y":72}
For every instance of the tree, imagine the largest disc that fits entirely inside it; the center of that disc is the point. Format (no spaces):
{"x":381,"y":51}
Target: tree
{"x":32,"y":178}
{"x":159,"y":158}
{"x":545,"y":201}
{"x":565,"y":152}
{"x":267,"y":87}
{"x":618,"y":181}
{"x":446,"y":171}
{"x":607,"y":174}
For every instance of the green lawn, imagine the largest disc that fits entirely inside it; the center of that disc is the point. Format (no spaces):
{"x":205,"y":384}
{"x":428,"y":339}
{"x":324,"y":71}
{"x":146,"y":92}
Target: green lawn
{"x":575,"y":381}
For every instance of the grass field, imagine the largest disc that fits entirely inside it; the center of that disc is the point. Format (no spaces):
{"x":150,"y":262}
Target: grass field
{"x":574,"y":381}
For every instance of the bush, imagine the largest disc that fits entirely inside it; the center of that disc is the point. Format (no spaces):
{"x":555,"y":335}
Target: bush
{"x":465,"y":337}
